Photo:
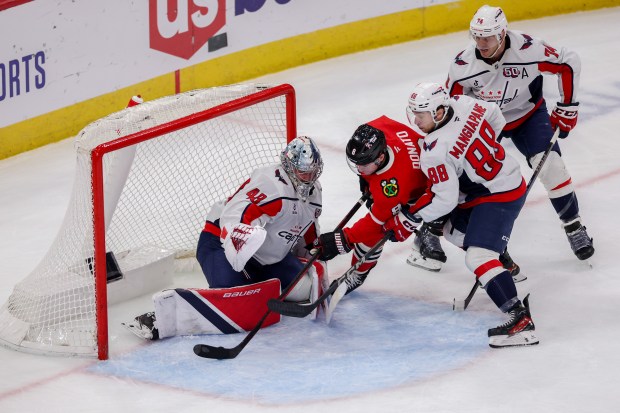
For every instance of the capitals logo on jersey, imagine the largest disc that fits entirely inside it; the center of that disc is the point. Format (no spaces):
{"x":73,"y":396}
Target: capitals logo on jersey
{"x":527,"y":41}
{"x":458,"y":60}
{"x":390,"y":187}
{"x":430,"y":146}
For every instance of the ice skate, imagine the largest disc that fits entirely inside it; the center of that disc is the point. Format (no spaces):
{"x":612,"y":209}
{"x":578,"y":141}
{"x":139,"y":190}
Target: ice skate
{"x":519,"y":330}
{"x":580,"y":241}
{"x":426,"y":251}
{"x":143,"y":326}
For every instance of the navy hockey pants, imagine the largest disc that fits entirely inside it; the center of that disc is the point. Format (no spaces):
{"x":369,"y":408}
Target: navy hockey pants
{"x":487,"y":225}
{"x":220,"y":274}
{"x":533,"y":135}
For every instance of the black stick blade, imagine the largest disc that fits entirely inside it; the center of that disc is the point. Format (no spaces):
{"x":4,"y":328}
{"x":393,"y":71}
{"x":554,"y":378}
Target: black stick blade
{"x":290,"y":309}
{"x":218,"y":353}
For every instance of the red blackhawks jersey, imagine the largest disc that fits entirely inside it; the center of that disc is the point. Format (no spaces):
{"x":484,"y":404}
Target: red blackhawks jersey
{"x":465,"y":164}
{"x":398,"y":182}
{"x":515,"y":82}
{"x":269,"y":199}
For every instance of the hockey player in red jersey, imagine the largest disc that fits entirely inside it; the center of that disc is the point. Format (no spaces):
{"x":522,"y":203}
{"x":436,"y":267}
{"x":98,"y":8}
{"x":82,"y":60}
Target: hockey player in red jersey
{"x":252,"y":245}
{"x":505,"y":67}
{"x":480,"y":185}
{"x":386,"y":156}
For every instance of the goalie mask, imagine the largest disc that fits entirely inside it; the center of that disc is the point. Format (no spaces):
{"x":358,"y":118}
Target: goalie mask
{"x":365,"y":146}
{"x":302,"y":163}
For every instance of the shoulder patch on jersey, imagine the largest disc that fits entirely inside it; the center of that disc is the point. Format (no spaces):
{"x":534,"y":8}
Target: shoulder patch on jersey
{"x":458,"y":60}
{"x":430,"y":146}
{"x":279,"y":176}
{"x":527,"y":42}
{"x":390,"y":187}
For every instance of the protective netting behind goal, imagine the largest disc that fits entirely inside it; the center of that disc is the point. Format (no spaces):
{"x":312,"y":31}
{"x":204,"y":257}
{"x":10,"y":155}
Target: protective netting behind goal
{"x":156,"y":196}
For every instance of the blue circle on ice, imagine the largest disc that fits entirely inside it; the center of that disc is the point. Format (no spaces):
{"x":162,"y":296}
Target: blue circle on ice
{"x":375,"y":341}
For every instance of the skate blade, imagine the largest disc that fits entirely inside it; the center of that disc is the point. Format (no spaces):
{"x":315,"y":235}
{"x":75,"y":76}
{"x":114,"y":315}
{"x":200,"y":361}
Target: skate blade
{"x":524,"y":338}
{"x":518,"y":278}
{"x":143,"y":333}
{"x":415,"y":259}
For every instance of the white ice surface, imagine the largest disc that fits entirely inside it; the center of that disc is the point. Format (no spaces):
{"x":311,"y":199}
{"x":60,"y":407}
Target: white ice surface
{"x":574,"y":369}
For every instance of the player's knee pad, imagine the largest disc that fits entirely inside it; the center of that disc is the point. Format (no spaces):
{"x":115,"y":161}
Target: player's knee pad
{"x":553,"y":175}
{"x":453,"y":235}
{"x":484,"y":263}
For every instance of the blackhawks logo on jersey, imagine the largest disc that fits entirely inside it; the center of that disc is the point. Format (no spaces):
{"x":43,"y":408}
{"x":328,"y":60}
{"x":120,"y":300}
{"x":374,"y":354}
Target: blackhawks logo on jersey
{"x":390,"y":187}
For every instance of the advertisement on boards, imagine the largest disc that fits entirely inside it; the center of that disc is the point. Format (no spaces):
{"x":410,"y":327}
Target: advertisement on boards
{"x":57,"y":54}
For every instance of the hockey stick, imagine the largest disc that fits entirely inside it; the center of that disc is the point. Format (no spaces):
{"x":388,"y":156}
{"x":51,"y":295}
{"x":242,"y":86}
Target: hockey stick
{"x":462,"y":305}
{"x":221,"y":353}
{"x":292,"y":309}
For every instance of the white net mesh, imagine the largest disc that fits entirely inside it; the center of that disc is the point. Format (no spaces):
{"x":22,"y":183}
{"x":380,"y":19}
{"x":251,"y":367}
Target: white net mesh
{"x":157,"y":193}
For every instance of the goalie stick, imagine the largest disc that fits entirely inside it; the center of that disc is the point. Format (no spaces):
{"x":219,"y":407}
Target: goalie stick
{"x":292,"y":309}
{"x":222,"y":353}
{"x":463,"y":304}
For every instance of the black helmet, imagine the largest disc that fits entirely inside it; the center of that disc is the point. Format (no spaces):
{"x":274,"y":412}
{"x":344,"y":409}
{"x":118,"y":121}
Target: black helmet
{"x":366,"y":145}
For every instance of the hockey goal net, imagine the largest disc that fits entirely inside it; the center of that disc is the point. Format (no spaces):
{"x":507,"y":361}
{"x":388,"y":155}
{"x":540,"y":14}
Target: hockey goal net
{"x":145,"y":179}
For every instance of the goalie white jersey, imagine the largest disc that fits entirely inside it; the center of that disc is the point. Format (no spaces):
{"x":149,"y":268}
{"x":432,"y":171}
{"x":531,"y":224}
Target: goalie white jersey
{"x":268,"y":199}
{"x":464,"y":162}
{"x":515,"y":82}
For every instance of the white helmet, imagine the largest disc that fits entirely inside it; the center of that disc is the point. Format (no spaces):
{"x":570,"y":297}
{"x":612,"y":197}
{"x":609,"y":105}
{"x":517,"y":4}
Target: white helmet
{"x":427,"y":97}
{"x":302,"y":163}
{"x":488,"y":21}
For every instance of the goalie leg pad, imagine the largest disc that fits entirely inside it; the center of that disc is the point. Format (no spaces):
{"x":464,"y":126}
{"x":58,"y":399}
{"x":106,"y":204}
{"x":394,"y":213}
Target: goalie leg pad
{"x":311,"y":286}
{"x":216,"y":310}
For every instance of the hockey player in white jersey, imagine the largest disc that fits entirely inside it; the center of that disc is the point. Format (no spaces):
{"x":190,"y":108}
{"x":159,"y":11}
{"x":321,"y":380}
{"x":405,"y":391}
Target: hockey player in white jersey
{"x":505,"y":67}
{"x":251,"y":247}
{"x":473,"y":179}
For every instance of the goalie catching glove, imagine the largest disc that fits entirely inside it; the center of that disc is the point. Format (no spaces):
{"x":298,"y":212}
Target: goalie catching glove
{"x":403,"y":225}
{"x":331,"y":244}
{"x":241,"y":243}
{"x":564,"y":116}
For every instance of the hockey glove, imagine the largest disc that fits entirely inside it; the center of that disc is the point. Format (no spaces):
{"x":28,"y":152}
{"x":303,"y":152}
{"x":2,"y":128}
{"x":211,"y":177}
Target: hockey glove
{"x":403,"y":225}
{"x":332,"y":244}
{"x":564,"y":116}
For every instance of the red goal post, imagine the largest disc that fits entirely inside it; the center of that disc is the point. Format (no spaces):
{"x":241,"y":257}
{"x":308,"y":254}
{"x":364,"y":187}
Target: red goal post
{"x":153,"y":172}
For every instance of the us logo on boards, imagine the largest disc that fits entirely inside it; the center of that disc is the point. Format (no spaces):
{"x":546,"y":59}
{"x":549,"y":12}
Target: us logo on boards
{"x":182,"y":27}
